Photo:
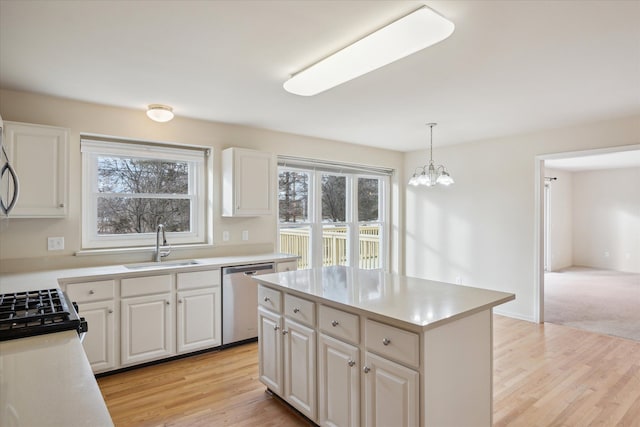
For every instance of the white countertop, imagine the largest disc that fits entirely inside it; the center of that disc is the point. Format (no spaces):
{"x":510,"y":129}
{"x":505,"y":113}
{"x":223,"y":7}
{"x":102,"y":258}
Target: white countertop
{"x":47,"y":380}
{"x":18,"y":282}
{"x":421,"y":304}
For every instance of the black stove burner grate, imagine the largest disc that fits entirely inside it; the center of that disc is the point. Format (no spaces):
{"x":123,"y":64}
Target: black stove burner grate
{"x":35,"y":312}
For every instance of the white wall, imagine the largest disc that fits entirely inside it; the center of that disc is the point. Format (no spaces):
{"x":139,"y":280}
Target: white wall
{"x":561,"y":219}
{"x":606,"y":219}
{"x":483,"y":228}
{"x":23,"y":241}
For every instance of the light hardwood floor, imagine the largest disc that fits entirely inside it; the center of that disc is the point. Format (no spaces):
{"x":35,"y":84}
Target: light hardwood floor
{"x":544,"y":375}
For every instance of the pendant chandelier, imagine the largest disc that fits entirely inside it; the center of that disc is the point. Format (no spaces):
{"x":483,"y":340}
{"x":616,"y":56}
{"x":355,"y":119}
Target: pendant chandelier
{"x":431,"y":174}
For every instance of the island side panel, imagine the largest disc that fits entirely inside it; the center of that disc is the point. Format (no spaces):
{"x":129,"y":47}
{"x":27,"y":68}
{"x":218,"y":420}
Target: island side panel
{"x":457,"y":384}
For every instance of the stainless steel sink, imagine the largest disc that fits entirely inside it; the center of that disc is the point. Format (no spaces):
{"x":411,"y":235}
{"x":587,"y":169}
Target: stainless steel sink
{"x":166,"y":264}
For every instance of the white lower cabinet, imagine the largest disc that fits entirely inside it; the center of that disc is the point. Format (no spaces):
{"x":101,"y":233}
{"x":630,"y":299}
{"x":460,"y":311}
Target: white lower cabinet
{"x":338,"y":383}
{"x":198,"y":319}
{"x":391,"y":393}
{"x":300,"y":367}
{"x":96,"y":303}
{"x":270,"y":349}
{"x":99,"y":342}
{"x":146,"y":328}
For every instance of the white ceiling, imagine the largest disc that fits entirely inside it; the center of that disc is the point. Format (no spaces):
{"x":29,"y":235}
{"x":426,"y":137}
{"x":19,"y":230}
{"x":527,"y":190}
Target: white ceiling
{"x":510,"y":66}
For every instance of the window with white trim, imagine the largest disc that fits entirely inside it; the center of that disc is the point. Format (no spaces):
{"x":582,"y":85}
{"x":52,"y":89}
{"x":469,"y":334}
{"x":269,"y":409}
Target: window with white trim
{"x":332,"y":214}
{"x":130,"y":187}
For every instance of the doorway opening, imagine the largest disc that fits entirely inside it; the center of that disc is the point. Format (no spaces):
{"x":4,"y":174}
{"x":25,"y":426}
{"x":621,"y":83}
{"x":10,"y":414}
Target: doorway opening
{"x":588,"y":262}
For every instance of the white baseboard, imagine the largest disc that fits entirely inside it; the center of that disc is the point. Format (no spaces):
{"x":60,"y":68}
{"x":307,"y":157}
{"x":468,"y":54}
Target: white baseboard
{"x":513,"y":315}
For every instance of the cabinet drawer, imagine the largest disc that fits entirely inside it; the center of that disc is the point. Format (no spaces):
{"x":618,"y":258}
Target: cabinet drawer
{"x":269,"y":298}
{"x":392,"y":342}
{"x":198,"y":279}
{"x":287,"y":266}
{"x":300,"y":309}
{"x":339,"y":324}
{"x":145,"y":285}
{"x":91,"y":291}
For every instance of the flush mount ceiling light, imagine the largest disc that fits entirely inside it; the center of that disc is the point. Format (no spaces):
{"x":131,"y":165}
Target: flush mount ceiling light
{"x":409,"y":34}
{"x":160,"y":113}
{"x":431,"y":174}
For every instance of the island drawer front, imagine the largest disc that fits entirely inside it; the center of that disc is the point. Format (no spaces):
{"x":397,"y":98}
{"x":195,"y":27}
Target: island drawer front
{"x":339,"y":324}
{"x":91,"y":291}
{"x":198,"y":279}
{"x":392,"y":342}
{"x":302,"y":310}
{"x":146,"y":285}
{"x":269,"y":298}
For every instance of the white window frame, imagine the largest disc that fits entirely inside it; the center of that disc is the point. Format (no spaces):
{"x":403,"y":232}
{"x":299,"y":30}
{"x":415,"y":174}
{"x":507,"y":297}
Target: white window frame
{"x":196,"y":157}
{"x":316,"y":225}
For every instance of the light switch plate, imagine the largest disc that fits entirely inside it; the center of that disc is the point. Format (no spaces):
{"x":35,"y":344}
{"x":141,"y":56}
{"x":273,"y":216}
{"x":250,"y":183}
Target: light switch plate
{"x":245,"y":235}
{"x":55,"y":243}
{"x":225,"y":236}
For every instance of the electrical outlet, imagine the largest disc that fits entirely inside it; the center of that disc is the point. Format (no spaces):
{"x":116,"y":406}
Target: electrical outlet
{"x":225,"y":236}
{"x":55,"y":243}
{"x":245,"y":235}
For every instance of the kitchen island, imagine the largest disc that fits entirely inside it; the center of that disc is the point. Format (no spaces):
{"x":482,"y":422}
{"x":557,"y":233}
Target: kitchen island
{"x":351,"y":347}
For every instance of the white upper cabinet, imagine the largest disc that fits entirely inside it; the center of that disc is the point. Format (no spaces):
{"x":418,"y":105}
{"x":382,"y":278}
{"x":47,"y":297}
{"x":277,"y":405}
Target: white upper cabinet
{"x":248,"y":180}
{"x":39,"y":155}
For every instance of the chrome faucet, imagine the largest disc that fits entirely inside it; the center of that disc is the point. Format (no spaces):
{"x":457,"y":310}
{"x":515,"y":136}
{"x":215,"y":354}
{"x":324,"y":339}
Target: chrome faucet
{"x":159,"y":254}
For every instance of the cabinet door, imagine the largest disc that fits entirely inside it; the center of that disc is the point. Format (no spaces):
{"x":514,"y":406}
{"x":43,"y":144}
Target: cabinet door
{"x":146,"y":328}
{"x":99,"y":342}
{"x":391,"y":393}
{"x":270,"y":349}
{"x":198,"y":319}
{"x":39,"y":156}
{"x":300,"y":367}
{"x":338,"y":383}
{"x":247,"y":183}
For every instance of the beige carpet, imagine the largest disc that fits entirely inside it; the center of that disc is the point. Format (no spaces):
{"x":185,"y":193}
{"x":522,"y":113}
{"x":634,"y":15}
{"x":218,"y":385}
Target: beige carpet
{"x":601,"y":301}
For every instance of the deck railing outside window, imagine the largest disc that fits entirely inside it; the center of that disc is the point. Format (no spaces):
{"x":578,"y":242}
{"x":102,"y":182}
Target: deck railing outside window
{"x":334,"y":246}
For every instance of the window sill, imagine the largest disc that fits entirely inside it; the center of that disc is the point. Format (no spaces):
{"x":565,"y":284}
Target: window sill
{"x":141,"y":249}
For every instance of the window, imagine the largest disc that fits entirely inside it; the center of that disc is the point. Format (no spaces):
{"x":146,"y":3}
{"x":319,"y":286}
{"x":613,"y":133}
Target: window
{"x":332,"y":216}
{"x":129,"y":188}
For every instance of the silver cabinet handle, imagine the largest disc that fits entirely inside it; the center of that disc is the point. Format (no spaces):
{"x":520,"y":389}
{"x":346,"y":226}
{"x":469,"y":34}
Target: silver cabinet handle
{"x":110,"y":311}
{"x":168,"y":302}
{"x":267,"y":299}
{"x":366,"y":369}
{"x":296,"y":310}
{"x":180,"y":301}
{"x":276,"y":327}
{"x":61,"y":205}
{"x":351,"y":363}
{"x":334,"y":323}
{"x":285,"y":332}
{"x":386,"y":341}
{"x":91,"y":292}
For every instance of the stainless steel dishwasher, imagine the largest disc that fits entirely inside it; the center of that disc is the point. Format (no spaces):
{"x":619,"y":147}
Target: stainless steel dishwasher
{"x":240,"y":302}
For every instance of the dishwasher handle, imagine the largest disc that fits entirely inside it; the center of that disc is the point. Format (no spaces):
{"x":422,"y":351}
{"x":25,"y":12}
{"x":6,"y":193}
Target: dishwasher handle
{"x":249,"y":270}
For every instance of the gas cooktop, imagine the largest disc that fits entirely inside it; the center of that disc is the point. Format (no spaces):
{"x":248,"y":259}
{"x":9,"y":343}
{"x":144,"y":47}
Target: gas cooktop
{"x":24,"y":314}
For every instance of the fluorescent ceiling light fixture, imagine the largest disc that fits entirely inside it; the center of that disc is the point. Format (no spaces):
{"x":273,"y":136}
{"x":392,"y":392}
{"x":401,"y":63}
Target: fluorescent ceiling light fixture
{"x":409,"y":34}
{"x":160,"y":113}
